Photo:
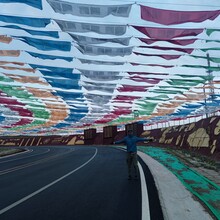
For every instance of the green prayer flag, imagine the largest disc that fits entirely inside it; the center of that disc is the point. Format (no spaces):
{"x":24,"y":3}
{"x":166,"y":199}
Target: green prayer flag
{"x":210,"y":31}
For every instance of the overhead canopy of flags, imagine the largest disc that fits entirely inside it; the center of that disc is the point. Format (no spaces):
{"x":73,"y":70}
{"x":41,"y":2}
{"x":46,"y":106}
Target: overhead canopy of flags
{"x":69,"y":65}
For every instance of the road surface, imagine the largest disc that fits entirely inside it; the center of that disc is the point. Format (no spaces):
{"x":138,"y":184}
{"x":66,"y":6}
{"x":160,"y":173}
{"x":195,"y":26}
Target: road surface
{"x":74,"y":183}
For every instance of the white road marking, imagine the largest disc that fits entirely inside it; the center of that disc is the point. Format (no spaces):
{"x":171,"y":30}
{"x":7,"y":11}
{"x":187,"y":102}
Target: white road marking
{"x":3,"y":172}
{"x":48,"y":150}
{"x":11,"y":155}
{"x":45,"y":187}
{"x":145,"y":201}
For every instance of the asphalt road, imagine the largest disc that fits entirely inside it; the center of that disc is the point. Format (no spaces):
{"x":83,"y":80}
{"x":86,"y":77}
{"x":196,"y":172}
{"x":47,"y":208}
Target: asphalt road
{"x":72,"y":183}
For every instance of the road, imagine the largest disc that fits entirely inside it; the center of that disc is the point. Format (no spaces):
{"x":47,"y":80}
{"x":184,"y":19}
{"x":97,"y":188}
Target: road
{"x":73,"y":183}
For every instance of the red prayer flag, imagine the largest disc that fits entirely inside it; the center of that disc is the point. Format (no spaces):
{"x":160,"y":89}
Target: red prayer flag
{"x":130,"y":88}
{"x":168,"y":66}
{"x":145,"y":73}
{"x":185,"y":50}
{"x":18,"y":107}
{"x":182,"y":42}
{"x":164,"y":56}
{"x":142,"y":79}
{"x":167,"y":33}
{"x":169,"y":17}
{"x":126,"y":98}
{"x":138,"y":64}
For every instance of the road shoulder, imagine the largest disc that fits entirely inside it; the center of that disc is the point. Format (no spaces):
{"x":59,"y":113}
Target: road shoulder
{"x":176,"y":201}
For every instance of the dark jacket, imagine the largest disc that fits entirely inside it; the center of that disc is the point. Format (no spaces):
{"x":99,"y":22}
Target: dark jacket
{"x":131,"y":141}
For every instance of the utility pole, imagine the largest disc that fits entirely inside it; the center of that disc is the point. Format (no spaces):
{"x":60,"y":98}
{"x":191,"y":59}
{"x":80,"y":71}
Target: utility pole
{"x":210,"y":84}
{"x":135,"y":114}
{"x":206,"y":109}
{"x":210,"y":78}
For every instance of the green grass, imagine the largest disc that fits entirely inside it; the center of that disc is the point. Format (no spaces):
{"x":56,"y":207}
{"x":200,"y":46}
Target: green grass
{"x":204,"y":189}
{"x":8,"y":151}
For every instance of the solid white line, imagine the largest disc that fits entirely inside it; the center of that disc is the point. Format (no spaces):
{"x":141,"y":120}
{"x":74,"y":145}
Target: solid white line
{"x":3,"y":172}
{"x":45,"y":187}
{"x":48,"y":150}
{"x":15,"y":154}
{"x":145,"y":201}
